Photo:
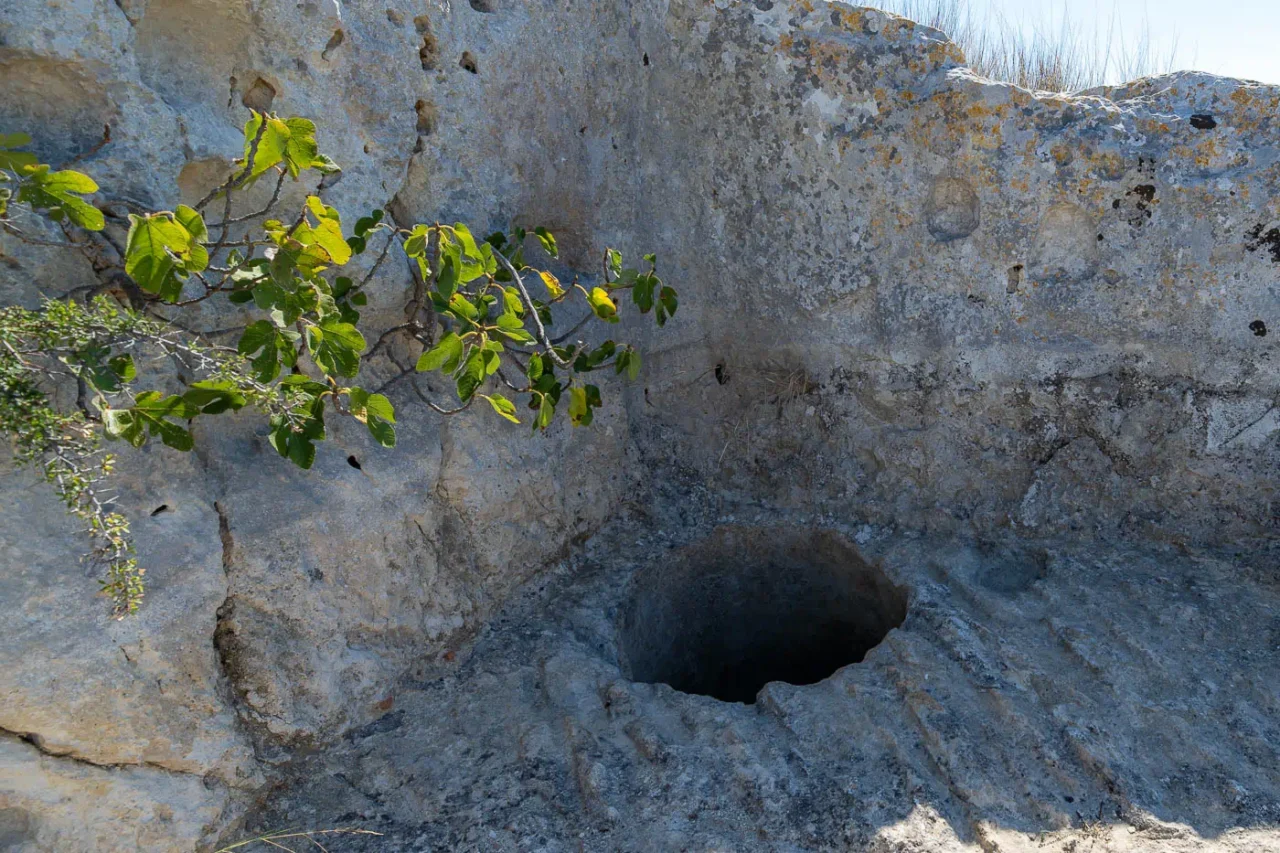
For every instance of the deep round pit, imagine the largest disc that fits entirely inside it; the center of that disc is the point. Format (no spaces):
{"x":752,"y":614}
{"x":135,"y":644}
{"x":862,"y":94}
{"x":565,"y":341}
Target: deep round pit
{"x":748,"y":606}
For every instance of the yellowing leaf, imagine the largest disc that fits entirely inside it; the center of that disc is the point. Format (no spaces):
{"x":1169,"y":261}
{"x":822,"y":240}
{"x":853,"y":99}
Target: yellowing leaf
{"x":602,"y":305}
{"x":553,"y":284}
{"x":502,"y":406}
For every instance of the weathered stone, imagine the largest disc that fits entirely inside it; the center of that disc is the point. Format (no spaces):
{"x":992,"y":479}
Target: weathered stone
{"x":1066,"y":248}
{"x":917,"y":307}
{"x":954,"y":210}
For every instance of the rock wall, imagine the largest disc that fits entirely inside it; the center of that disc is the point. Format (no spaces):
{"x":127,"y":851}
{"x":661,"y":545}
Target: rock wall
{"x":909,"y":298}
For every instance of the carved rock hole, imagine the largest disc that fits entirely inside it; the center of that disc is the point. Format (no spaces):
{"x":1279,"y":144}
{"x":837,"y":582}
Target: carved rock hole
{"x":259,"y":96}
{"x":749,"y":606}
{"x":335,"y":41}
{"x":468,"y":62}
{"x":430,"y":48}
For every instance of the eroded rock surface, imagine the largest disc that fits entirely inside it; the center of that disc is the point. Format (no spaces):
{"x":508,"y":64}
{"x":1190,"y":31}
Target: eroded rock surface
{"x":916,"y":307}
{"x":1039,"y":696}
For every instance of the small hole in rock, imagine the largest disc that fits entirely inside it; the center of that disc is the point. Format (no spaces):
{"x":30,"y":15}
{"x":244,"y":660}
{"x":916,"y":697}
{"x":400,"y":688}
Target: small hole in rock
{"x":1259,"y":328}
{"x":260,"y":96}
{"x":646,"y":60}
{"x":426,"y":117}
{"x":1015,"y":278}
{"x":485,"y":6}
{"x":427,"y":53}
{"x":1203,"y":121}
{"x":748,"y":606}
{"x":395,"y":17}
{"x":355,"y":463}
{"x":469,"y":62}
{"x":163,"y":508}
{"x":334,"y":41}
{"x":430,"y":48}
{"x":722,"y":373}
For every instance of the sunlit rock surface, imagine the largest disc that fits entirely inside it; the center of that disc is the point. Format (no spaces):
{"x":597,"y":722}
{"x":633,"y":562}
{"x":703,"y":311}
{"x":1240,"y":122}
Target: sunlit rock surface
{"x":1016,"y":350}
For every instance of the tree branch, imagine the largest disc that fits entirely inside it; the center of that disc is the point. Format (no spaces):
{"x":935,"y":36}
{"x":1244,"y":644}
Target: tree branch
{"x":532,"y":310}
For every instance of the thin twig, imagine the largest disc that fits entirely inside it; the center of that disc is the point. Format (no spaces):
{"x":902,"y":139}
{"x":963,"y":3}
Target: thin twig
{"x":382,"y":257}
{"x":275,"y":197}
{"x":526,"y":389}
{"x":405,"y":371}
{"x":574,"y":330}
{"x":235,"y":181}
{"x":385,"y":336}
{"x":532,"y":309}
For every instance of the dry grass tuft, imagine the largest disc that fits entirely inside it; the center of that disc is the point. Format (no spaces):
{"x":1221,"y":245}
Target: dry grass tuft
{"x":1057,"y":55}
{"x":283,"y":839}
{"x":786,"y":385}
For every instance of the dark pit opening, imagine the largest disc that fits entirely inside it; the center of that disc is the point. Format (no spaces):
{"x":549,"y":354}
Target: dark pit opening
{"x":748,"y":606}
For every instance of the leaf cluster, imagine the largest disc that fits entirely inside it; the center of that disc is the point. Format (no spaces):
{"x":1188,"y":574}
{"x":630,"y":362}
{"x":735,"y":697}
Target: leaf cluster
{"x":299,"y":358}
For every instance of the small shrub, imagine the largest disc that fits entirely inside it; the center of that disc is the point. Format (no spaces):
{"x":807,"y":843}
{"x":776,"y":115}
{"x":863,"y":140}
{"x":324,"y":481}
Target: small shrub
{"x":471,"y":316}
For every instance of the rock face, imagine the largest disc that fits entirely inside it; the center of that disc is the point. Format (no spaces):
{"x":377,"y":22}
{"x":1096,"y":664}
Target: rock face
{"x":1008,"y":350}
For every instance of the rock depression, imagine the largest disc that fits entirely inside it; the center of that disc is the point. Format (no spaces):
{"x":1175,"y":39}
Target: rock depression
{"x":982,"y":381}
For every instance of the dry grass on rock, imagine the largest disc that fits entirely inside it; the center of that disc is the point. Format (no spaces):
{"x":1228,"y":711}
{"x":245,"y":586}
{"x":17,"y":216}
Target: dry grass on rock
{"x":1059,"y":53}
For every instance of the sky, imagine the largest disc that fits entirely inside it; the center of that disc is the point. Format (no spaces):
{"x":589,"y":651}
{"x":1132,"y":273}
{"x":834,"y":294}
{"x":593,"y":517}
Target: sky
{"x":1235,"y":38}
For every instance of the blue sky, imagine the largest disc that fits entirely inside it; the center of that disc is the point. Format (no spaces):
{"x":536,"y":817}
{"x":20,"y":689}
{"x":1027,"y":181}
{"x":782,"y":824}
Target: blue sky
{"x":1236,"y":38}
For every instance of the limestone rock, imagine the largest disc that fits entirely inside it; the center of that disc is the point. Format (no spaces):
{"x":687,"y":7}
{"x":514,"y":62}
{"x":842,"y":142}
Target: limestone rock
{"x":1012,"y":346}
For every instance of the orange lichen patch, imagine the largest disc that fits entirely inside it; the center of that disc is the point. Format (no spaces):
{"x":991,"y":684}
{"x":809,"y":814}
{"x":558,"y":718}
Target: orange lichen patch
{"x":979,"y":109}
{"x":988,"y":139}
{"x":889,"y":155}
{"x":850,"y":19}
{"x":1107,"y":165}
{"x":1242,"y":96}
{"x":940,"y":52}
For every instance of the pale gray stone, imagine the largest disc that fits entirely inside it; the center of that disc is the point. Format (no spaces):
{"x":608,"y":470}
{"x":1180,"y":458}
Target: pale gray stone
{"x":1016,"y":350}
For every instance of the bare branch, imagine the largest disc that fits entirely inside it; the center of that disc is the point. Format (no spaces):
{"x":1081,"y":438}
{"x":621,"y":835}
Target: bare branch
{"x":574,"y":330}
{"x":275,"y":197}
{"x":532,"y":310}
{"x":235,"y":181}
{"x":381,"y":257}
